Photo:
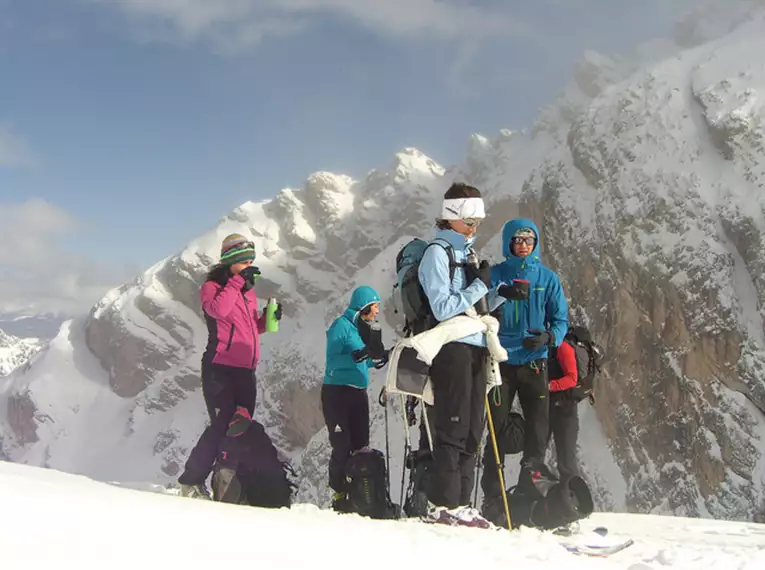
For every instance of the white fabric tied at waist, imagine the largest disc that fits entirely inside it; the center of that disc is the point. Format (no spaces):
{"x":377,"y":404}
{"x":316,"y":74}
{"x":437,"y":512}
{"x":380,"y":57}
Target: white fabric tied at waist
{"x":428,"y":344}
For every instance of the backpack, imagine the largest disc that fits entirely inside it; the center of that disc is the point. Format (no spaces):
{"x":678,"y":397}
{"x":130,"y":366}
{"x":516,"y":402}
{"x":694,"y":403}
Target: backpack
{"x":543,"y":501}
{"x":248,"y":471}
{"x":367,"y":491}
{"x":418,"y":316}
{"x":589,"y":357}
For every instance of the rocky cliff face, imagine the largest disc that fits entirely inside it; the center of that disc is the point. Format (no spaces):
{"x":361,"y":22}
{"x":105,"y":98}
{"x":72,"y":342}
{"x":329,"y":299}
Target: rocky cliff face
{"x":651,"y":202}
{"x":646,"y":177}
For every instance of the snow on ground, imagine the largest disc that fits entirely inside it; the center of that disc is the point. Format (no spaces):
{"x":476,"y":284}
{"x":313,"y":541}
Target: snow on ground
{"x":49,"y":519}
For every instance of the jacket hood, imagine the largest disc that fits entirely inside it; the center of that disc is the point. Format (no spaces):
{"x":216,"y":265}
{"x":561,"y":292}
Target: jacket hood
{"x":362,"y":297}
{"x":507,"y":235}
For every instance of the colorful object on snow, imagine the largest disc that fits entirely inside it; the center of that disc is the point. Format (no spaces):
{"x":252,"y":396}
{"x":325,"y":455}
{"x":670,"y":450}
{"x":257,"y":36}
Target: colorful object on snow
{"x":239,"y":423}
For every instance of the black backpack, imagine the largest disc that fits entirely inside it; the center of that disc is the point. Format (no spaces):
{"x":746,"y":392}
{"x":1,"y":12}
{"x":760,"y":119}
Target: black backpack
{"x":589,"y":358}
{"x":248,"y":471}
{"x":541,"y":500}
{"x":367,"y":490}
{"x":418,"y":316}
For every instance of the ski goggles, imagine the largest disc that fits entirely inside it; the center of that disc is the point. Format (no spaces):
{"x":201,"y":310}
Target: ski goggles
{"x":472,"y":222}
{"x":527,"y":240}
{"x":241,"y":246}
{"x":245,"y":245}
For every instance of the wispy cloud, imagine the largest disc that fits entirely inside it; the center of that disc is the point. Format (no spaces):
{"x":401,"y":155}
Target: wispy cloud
{"x":242,"y":24}
{"x":14,"y":153}
{"x":36,"y":273}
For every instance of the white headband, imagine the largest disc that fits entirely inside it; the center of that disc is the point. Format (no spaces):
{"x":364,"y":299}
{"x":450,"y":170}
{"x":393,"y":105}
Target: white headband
{"x":462,"y":209}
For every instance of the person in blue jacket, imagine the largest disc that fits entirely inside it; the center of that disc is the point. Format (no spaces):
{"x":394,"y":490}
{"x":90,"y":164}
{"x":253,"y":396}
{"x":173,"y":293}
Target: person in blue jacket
{"x":458,"y":370}
{"x":534,"y":317}
{"x":354,"y":345}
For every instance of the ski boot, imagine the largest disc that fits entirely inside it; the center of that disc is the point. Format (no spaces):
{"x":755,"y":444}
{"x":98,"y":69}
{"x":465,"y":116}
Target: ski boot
{"x":195,"y":492}
{"x":458,"y":516}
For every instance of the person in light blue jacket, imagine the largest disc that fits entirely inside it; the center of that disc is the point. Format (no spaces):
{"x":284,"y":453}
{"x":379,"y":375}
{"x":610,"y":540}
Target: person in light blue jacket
{"x":534,"y":318}
{"x":354,"y":345}
{"x":457,"y":372}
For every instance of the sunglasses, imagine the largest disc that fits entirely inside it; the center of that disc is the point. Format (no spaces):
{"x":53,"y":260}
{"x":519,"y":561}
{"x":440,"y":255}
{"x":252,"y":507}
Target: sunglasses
{"x":526,"y":240}
{"x":472,"y":222}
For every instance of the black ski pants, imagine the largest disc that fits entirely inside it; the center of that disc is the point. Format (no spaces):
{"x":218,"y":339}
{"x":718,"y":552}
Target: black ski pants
{"x":459,"y":388}
{"x":564,"y":430}
{"x":224,"y":389}
{"x":529,"y":381}
{"x":346,"y":413}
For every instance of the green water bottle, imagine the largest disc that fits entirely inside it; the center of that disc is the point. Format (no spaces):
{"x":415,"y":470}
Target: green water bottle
{"x":272,"y":323}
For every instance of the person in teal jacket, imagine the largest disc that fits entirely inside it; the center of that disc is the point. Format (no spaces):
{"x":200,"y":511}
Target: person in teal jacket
{"x":354,"y":345}
{"x":533,"y":318}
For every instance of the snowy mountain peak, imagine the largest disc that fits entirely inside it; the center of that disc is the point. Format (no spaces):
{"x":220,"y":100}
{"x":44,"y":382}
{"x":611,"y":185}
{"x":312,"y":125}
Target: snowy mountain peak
{"x":410,"y":162}
{"x":15,"y":352}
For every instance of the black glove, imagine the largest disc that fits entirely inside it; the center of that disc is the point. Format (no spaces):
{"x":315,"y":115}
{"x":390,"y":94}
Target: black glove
{"x":382,"y":361}
{"x":484,"y":273}
{"x":539,"y":340}
{"x":371,"y":334}
{"x":513,"y":292}
{"x":278,"y":312}
{"x":250,"y":273}
{"x":360,"y":355}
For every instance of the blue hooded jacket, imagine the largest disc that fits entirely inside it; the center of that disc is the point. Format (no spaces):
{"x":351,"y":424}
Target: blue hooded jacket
{"x":343,"y":339}
{"x":449,"y":299}
{"x":546,"y":308}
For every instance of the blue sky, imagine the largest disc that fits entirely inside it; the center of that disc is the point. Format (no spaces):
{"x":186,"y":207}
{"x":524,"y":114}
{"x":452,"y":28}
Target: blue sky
{"x":128,"y":127}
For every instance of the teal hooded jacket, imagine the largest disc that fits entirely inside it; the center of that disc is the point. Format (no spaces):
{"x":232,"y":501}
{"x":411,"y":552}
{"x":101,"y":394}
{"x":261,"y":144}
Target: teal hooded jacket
{"x":546,"y":308}
{"x":343,"y":339}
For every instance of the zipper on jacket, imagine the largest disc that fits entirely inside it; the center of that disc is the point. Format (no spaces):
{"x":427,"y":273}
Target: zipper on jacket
{"x":230,"y":336}
{"x":252,"y":329}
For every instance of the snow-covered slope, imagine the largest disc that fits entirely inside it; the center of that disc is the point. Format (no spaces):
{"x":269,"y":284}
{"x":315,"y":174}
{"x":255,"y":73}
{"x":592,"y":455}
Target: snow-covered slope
{"x":89,"y":525}
{"x":14,"y":352}
{"x":646,"y":176}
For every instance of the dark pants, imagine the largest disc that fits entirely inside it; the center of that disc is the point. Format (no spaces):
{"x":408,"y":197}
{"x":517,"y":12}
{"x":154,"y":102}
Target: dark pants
{"x":530,"y":383}
{"x":346,"y":413}
{"x":224,"y":389}
{"x":564,"y":429}
{"x":459,"y":388}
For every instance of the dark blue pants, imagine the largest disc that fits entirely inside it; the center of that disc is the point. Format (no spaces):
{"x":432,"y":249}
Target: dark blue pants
{"x":224,"y":388}
{"x":346,"y":413}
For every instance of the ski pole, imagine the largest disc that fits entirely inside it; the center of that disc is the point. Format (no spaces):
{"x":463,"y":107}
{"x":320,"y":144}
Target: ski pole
{"x":407,"y":449}
{"x":499,"y":463}
{"x":387,"y":443}
{"x":479,"y":453}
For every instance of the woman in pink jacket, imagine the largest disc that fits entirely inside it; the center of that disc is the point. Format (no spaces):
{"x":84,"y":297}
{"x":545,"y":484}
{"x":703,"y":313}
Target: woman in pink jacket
{"x":228,"y":366}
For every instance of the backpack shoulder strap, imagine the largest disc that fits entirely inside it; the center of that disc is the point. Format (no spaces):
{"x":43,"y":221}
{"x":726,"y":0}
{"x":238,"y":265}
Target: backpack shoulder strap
{"x":449,"y":249}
